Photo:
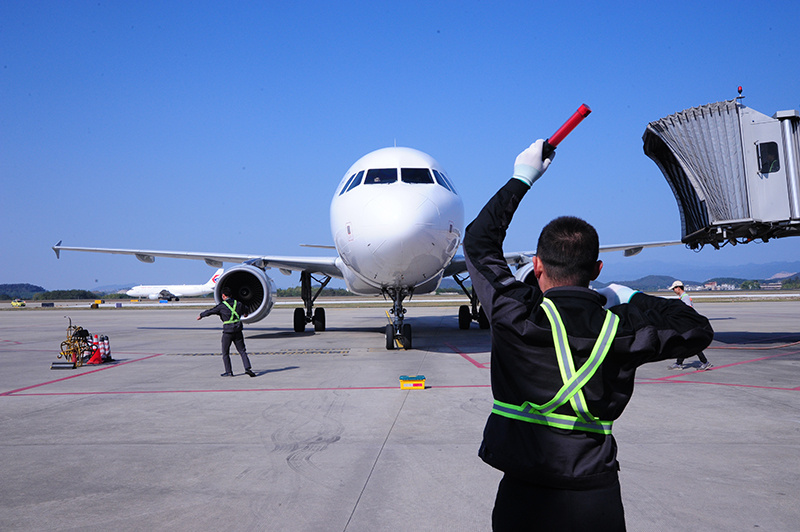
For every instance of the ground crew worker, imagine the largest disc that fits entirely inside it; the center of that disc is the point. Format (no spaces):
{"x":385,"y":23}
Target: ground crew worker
{"x":705,"y":365}
{"x":562,"y":365}
{"x":231,"y":313}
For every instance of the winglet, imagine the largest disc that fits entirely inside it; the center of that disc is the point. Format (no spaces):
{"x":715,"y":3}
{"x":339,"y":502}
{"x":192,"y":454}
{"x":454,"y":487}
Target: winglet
{"x":57,"y":249}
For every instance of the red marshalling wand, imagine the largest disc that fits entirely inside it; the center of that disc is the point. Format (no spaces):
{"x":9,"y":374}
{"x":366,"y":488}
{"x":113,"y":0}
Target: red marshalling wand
{"x":556,"y":138}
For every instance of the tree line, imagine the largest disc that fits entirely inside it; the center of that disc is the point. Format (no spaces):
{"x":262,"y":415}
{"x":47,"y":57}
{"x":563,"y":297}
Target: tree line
{"x":37,"y":293}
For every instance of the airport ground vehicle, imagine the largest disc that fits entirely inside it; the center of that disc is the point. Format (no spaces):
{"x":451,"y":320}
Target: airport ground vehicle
{"x":17,"y":303}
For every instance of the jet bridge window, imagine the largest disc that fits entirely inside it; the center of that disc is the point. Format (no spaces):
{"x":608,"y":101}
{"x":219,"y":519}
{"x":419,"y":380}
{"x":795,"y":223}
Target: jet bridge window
{"x":381,"y":176}
{"x":416,"y":175}
{"x":768,"y":160}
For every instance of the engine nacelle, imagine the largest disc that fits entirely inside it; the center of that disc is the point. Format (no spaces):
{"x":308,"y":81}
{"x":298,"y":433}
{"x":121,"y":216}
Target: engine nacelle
{"x":250,"y":286}
{"x":525,"y":274}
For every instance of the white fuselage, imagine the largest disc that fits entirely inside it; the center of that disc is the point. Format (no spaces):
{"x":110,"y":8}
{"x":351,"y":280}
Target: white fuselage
{"x":156,"y":291}
{"x":396,"y":222}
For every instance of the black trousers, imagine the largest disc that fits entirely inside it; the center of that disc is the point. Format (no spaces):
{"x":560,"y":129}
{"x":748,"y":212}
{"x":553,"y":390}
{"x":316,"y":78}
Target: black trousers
{"x":238,"y":340}
{"x":526,"y":507}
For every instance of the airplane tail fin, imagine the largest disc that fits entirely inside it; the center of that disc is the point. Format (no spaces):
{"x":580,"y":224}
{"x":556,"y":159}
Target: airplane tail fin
{"x":214,"y":278}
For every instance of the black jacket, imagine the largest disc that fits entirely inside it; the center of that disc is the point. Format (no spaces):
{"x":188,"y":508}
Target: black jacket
{"x":224,"y":314}
{"x":524,"y":365}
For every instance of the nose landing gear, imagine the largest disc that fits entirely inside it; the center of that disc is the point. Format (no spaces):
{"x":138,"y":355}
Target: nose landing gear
{"x":398,"y":333}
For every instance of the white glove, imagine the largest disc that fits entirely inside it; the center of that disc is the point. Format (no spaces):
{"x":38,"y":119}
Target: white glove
{"x":616,"y":294}
{"x":529,"y":165}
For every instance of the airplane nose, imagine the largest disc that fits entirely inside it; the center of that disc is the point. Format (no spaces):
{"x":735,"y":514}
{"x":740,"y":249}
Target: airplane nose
{"x":408,"y":238}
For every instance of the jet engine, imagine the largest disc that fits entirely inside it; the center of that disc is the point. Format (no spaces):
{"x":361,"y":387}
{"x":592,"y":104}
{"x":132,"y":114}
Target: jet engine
{"x":250,"y":286}
{"x":525,"y":274}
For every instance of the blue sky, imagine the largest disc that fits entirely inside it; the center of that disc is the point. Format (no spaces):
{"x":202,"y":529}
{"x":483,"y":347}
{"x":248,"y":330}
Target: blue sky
{"x":200,"y":126}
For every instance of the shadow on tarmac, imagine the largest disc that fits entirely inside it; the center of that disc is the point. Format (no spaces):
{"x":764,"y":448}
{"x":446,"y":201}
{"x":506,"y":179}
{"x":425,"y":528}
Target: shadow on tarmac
{"x":268,"y":371}
{"x":744,"y":338}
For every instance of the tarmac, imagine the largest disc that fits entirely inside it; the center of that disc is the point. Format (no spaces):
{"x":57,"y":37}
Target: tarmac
{"x":324,"y":439}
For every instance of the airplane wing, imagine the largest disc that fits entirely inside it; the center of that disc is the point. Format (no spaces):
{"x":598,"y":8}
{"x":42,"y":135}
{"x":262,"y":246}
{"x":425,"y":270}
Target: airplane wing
{"x":323,"y":265}
{"x":459,"y":264}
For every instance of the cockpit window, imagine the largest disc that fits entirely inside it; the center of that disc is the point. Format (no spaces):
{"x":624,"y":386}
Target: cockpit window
{"x":442,"y":180}
{"x":344,"y":188}
{"x":381,"y":176}
{"x":356,"y":181}
{"x":416,"y":175}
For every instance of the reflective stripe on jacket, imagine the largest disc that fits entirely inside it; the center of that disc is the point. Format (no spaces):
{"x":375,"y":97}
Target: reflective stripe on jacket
{"x":234,"y":315}
{"x":573,"y":381}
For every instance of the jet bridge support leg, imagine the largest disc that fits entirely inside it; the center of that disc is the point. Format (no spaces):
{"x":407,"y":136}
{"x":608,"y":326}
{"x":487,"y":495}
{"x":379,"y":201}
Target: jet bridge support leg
{"x":302,"y":316}
{"x":472,"y":312}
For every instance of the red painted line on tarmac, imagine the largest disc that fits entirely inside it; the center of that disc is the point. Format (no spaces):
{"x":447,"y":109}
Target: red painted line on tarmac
{"x":466,"y":356}
{"x":732,"y":384}
{"x":10,"y":342}
{"x":250,"y":390}
{"x":16,"y":392}
{"x":716,"y":368}
{"x":462,"y":386}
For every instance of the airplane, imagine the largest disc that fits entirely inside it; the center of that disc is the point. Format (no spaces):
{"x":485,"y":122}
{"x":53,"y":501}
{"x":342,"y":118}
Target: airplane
{"x":397,"y":223}
{"x":175,"y":291}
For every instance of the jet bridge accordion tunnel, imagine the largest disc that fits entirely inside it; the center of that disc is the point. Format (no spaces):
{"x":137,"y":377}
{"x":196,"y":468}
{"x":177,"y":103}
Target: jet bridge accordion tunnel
{"x":734,"y":171}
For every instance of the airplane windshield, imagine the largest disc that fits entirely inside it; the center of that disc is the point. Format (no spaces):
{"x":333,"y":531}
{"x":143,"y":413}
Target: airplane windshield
{"x":416,"y":175}
{"x":442,"y":180}
{"x":381,"y":176}
{"x":344,"y":188}
{"x":356,"y":181}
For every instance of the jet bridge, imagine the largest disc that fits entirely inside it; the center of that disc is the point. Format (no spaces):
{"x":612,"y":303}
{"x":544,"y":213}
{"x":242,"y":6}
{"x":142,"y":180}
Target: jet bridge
{"x":734,"y":171}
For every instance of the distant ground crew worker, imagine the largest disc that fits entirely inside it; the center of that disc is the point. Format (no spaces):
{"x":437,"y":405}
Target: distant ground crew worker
{"x":563,"y":363}
{"x":230,"y":312}
{"x":679,"y":289}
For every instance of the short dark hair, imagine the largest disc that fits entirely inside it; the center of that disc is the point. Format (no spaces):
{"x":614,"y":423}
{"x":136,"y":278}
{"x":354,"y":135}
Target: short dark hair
{"x":568,"y":246}
{"x":226,"y":291}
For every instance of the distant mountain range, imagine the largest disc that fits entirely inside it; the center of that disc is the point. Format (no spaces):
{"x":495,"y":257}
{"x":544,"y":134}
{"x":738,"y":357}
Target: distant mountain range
{"x":625,"y":270}
{"x":19,"y":290}
{"x":763,"y":273}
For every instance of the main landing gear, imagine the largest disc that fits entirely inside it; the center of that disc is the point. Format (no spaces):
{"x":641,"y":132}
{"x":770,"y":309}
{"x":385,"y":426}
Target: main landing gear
{"x":472,"y":312}
{"x":398,"y":331}
{"x":309,"y":314}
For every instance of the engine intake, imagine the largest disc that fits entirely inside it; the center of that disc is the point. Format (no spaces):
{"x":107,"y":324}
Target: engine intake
{"x":250,"y":286}
{"x":525,"y":274}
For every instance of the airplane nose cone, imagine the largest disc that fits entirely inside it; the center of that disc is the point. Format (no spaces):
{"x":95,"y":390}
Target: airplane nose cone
{"x":408,"y":241}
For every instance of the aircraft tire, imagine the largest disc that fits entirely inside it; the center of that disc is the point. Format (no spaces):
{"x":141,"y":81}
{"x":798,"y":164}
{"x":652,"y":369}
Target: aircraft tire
{"x":464,"y":317}
{"x":406,"y":336}
{"x":299,"y":320}
{"x":390,"y":336}
{"x":319,"y":319}
{"x":483,"y":321}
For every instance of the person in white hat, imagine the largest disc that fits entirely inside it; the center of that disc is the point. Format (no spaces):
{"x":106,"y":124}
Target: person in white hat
{"x":678,"y":288}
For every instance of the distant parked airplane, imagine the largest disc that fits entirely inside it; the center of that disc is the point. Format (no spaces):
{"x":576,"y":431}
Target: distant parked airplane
{"x":175,"y":291}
